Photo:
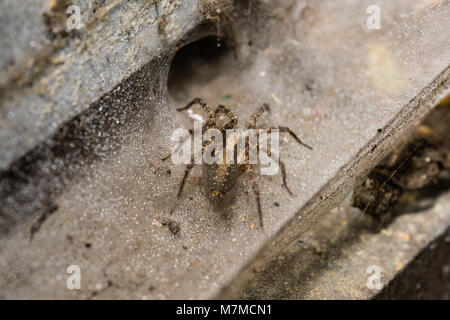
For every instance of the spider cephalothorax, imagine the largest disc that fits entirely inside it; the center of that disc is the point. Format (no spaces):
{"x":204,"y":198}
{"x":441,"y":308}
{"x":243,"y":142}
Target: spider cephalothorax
{"x":221,"y":177}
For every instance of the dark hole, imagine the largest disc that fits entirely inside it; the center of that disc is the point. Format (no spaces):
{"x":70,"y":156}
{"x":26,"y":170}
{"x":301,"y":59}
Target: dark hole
{"x":196,"y":65}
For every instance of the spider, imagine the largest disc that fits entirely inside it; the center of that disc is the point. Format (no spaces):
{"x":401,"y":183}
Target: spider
{"x":220,"y":178}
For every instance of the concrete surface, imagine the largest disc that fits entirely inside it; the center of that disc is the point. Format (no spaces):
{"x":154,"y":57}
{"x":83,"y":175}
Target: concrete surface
{"x":325,"y":75}
{"x":408,"y":245}
{"x":331,"y":260}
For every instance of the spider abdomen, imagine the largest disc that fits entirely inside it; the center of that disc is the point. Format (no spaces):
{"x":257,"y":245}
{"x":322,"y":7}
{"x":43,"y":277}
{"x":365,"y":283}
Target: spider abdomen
{"x":220,"y":178}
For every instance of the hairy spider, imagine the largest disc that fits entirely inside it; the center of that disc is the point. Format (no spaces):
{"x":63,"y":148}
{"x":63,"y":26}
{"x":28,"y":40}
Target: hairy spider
{"x":222,"y":177}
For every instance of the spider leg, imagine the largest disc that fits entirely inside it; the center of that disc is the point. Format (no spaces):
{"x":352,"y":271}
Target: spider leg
{"x":291,"y":133}
{"x":209,"y":124}
{"x":257,"y":114}
{"x":283,"y":175}
{"x":256,"y":192}
{"x":177,"y":148}
{"x":230,"y":114}
{"x":183,"y":182}
{"x":283,"y":171}
{"x":181,"y":188}
{"x":211,"y":115}
{"x":252,"y":125}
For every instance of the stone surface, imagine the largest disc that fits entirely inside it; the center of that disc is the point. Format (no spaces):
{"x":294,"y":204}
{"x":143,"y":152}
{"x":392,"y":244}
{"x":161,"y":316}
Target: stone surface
{"x":325,"y":75}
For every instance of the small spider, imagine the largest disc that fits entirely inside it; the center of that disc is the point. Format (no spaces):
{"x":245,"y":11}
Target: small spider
{"x":220,"y":178}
